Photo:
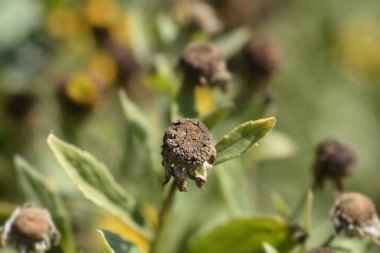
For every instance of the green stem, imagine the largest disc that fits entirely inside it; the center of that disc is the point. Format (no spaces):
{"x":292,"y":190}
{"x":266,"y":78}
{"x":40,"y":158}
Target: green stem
{"x":166,"y":206}
{"x":186,"y":100}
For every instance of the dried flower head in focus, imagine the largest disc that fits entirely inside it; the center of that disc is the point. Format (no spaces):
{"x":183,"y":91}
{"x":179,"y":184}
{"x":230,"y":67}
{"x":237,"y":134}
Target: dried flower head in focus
{"x":187,"y":151}
{"x":204,"y":64}
{"x":30,"y":229}
{"x":333,"y":160}
{"x":355,"y":215}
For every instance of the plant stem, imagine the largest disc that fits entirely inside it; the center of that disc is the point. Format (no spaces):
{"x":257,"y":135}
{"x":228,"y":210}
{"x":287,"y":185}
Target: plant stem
{"x":329,"y":240}
{"x":166,"y":206}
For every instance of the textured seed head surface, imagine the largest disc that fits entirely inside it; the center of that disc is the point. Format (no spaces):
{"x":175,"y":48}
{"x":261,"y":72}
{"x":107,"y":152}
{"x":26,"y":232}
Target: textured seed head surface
{"x":32,"y":223}
{"x":321,"y":250}
{"x":355,"y":208}
{"x":188,"y":144}
{"x":204,"y":64}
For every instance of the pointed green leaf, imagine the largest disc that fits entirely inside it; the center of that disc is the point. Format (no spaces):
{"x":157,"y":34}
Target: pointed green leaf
{"x":115,"y":244}
{"x":94,"y":180}
{"x":241,"y":138}
{"x":269,"y":248}
{"x":232,"y":42}
{"x":280,"y":205}
{"x":247,"y":235}
{"x":307,"y":211}
{"x":39,"y":191}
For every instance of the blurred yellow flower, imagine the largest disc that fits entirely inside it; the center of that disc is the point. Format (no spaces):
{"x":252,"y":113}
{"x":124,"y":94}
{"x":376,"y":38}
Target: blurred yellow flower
{"x":62,"y":23}
{"x":101,"y":13}
{"x":104,"y":67}
{"x":358,"y":44}
{"x":82,"y":89}
{"x":205,"y":100}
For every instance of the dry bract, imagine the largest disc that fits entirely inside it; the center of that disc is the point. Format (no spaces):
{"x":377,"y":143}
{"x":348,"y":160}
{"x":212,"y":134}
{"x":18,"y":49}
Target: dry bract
{"x":321,"y":250}
{"x":187,"y":151}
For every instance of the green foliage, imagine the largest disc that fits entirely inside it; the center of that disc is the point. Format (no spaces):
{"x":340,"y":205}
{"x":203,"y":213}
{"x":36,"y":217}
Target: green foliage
{"x":268,"y":248}
{"x":95,"y":181}
{"x":247,"y":235}
{"x":38,"y":191}
{"x":115,"y":244}
{"x":241,"y":138}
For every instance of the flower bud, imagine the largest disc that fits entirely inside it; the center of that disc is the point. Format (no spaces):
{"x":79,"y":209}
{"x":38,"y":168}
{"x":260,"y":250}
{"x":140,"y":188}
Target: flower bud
{"x":204,"y":64}
{"x":355,"y":215}
{"x":30,"y":229}
{"x":261,"y":58}
{"x":333,"y":160}
{"x":187,"y":151}
{"x":321,"y":250}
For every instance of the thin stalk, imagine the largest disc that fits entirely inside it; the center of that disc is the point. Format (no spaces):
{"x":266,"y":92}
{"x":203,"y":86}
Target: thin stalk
{"x":166,"y":206}
{"x":329,"y":240}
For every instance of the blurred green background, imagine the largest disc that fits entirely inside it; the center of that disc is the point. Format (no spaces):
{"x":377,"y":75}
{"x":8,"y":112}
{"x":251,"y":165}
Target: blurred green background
{"x":328,"y":86}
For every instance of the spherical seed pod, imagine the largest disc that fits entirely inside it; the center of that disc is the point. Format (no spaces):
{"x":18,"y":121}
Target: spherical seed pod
{"x":355,"y":215}
{"x":187,"y":151}
{"x":196,"y":15}
{"x":333,"y":160}
{"x":204,"y":64}
{"x":321,"y":250}
{"x":30,"y":229}
{"x":261,"y":58}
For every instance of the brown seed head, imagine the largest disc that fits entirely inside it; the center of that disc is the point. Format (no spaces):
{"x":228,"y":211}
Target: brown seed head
{"x":204,"y":64}
{"x":261,"y":58}
{"x":187,"y":149}
{"x":333,"y":160}
{"x":321,"y":250}
{"x":353,"y":209}
{"x":32,"y":223}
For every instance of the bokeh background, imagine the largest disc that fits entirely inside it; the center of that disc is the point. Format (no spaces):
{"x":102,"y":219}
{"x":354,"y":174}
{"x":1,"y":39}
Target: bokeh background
{"x":62,"y":63}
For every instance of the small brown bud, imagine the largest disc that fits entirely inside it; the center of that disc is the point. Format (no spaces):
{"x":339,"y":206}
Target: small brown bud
{"x":197,"y":15}
{"x":321,"y":250}
{"x":355,"y":214}
{"x":333,"y":160}
{"x":262,"y":58}
{"x":30,"y":229}
{"x":204,"y":64}
{"x":187,"y":150}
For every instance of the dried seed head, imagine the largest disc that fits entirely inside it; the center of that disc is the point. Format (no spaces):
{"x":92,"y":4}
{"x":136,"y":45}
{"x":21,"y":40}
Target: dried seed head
{"x":321,"y":250}
{"x":261,"y":57}
{"x":333,"y":160}
{"x":30,"y":229}
{"x":204,"y":64}
{"x":187,"y":150}
{"x":355,"y":214}
{"x":197,"y":15}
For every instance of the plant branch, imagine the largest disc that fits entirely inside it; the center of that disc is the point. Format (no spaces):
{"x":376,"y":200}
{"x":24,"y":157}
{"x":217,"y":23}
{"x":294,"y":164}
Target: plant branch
{"x":166,"y":206}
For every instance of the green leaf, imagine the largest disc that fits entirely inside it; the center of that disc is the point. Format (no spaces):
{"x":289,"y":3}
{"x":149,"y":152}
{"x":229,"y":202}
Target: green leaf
{"x":95,"y":181}
{"x":280,"y":205}
{"x":115,"y":244}
{"x":215,"y":117}
{"x":241,"y":138}
{"x":269,"y":248}
{"x":38,"y":191}
{"x":232,"y":42}
{"x":137,"y":118}
{"x":247,"y":235}
{"x":307,"y":211}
